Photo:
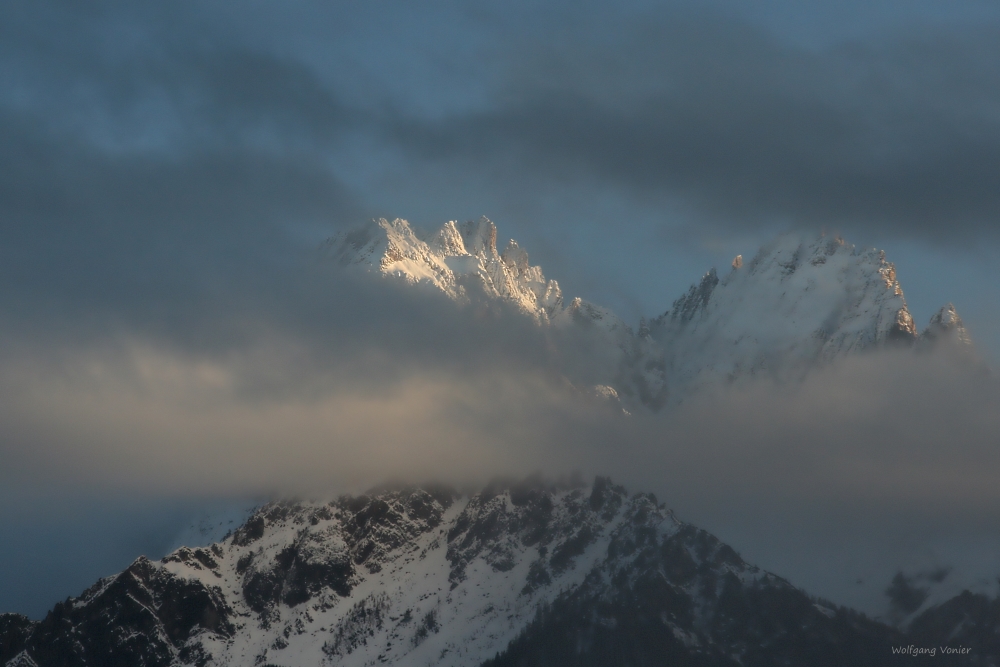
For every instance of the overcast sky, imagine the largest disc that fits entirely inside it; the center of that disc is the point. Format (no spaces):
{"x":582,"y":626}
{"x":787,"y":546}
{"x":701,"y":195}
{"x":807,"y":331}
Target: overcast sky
{"x":166,"y":173}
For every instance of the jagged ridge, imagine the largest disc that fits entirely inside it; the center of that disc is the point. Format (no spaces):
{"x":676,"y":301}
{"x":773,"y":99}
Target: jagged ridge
{"x":523,"y":573}
{"x":799,"y":302}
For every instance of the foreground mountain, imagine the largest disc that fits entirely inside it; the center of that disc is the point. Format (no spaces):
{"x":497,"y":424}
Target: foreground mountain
{"x":519,"y":574}
{"x":798,"y":302}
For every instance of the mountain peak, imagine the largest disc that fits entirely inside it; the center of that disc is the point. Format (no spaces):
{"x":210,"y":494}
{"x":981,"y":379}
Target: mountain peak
{"x":454,"y":258}
{"x":799,"y":300}
{"x":448,"y":240}
{"x":480,"y":236}
{"x":947,"y":326}
{"x":515,"y":257}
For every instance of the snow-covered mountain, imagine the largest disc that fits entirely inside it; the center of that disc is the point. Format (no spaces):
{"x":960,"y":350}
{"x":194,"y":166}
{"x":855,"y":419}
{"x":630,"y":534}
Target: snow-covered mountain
{"x":448,"y":259}
{"x":526,"y":573}
{"x":799,"y":302}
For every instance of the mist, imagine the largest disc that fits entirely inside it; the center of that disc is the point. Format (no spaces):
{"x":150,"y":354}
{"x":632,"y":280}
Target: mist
{"x":877,"y":462}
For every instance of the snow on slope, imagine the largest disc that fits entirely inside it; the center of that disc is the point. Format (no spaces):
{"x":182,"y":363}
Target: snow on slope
{"x":424,"y":585}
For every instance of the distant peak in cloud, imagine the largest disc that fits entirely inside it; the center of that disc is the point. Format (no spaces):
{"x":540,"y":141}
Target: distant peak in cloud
{"x":455,"y":258}
{"x":802,"y":300}
{"x":946,"y":325}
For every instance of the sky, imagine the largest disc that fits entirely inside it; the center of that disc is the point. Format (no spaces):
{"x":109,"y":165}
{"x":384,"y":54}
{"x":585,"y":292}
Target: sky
{"x":170,"y":339}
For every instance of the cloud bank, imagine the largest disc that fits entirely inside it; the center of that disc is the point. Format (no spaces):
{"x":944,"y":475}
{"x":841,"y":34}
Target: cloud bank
{"x":745,"y":129}
{"x":291,"y":411}
{"x":877,"y":462}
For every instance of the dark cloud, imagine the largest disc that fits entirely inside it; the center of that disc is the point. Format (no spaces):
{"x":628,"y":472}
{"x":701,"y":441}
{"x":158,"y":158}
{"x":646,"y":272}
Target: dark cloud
{"x":747,"y":128}
{"x":158,"y":180}
{"x":159,"y":155}
{"x":740,"y":125}
{"x":904,"y":596}
{"x":139,"y":237}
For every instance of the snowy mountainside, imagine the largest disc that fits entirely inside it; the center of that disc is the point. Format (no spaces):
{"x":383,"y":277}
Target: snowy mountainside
{"x":527,"y":573}
{"x":410,"y":576}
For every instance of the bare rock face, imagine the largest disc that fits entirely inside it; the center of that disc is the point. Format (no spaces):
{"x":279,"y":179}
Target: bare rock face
{"x":14,"y":632}
{"x":145,"y":616}
{"x":500,"y":526}
{"x":334,"y":545}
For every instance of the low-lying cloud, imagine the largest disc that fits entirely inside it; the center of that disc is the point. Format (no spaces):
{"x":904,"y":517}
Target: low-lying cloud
{"x":449,"y":394}
{"x":876,"y":462}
